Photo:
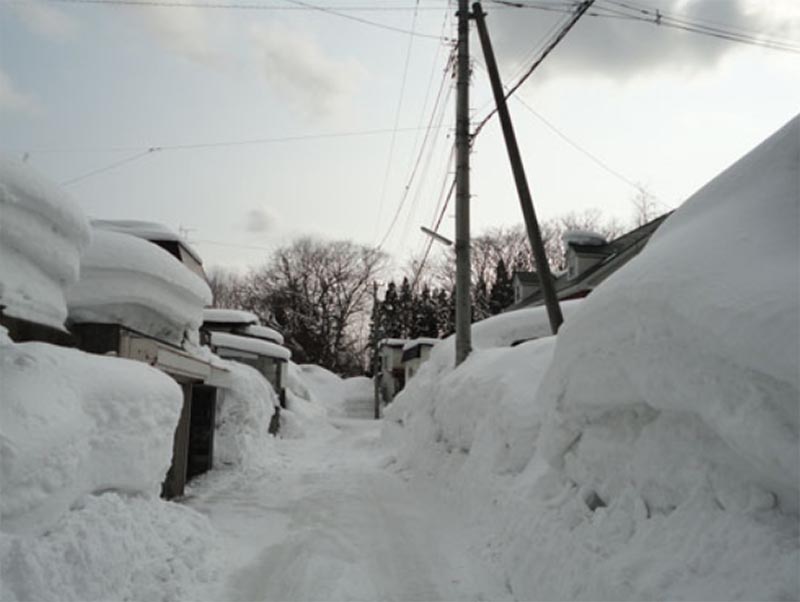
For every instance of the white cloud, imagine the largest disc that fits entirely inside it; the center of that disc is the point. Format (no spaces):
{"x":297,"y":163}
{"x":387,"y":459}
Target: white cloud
{"x":12,"y":99}
{"x":188,"y":31}
{"x":259,"y":221}
{"x":297,"y":68}
{"x":46,"y":20}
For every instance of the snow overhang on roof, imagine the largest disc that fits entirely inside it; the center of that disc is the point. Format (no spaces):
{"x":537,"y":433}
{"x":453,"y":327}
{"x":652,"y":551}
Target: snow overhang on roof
{"x":263,"y":332}
{"x":392,"y":342}
{"x":43,"y":234}
{"x":249,"y":345}
{"x":126,"y":280}
{"x":213,"y":315}
{"x":420,"y":342}
{"x":151,"y":231}
{"x":584,"y":238}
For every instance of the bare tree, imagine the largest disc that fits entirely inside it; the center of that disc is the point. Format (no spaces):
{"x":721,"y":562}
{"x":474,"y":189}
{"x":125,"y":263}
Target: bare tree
{"x":511,"y":244}
{"x":318,"y":293}
{"x":645,"y":207}
{"x":226,"y":286}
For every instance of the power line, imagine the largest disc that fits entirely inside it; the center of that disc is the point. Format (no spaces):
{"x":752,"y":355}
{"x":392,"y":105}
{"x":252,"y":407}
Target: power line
{"x":657,"y":17}
{"x":229,"y":244}
{"x":218,"y":144}
{"x":299,"y":4}
{"x":579,"y":12}
{"x":699,"y":26}
{"x":114,"y":165}
{"x":435,"y":228}
{"x":387,"y":171}
{"x":434,"y":112}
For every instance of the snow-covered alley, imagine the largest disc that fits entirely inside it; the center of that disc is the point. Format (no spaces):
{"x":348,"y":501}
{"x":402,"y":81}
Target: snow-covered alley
{"x":331,"y":521}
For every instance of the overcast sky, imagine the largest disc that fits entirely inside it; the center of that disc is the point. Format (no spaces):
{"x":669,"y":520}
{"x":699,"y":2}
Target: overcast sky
{"x":326,"y":115}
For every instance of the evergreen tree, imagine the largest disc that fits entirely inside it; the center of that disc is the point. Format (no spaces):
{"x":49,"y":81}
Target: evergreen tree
{"x":502,"y":294}
{"x":480,"y":300}
{"x":451,"y":313}
{"x":376,"y":329}
{"x":390,"y":313}
{"x":405,"y":303}
{"x":425,"y":315}
{"x":443,"y":323}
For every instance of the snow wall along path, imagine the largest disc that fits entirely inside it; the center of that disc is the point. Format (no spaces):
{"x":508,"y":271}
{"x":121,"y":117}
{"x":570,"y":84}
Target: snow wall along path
{"x":702,"y":329}
{"x":650,"y":450}
{"x":42,"y":234}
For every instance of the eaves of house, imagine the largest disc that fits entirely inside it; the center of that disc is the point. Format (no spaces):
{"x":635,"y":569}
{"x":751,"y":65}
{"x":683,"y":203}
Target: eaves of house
{"x":616,"y":254}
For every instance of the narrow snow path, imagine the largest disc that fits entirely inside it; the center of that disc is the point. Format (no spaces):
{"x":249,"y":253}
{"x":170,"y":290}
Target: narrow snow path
{"x":326,"y":522}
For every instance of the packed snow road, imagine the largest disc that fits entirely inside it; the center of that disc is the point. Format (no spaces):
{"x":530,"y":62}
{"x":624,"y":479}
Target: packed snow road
{"x":328,"y":522}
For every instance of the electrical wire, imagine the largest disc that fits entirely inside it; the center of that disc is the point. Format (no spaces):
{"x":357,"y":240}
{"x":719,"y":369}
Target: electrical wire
{"x":556,"y":39}
{"x":435,"y":228}
{"x":407,"y":188}
{"x":114,"y":165}
{"x":218,"y":144}
{"x":631,"y":11}
{"x":427,"y":161}
{"x":387,"y":170}
{"x":299,"y":4}
{"x":594,"y":158}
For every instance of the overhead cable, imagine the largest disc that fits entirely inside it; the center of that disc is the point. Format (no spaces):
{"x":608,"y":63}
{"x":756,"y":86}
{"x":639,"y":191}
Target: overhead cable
{"x":217,"y":144}
{"x":114,"y":165}
{"x":579,"y":12}
{"x":245,"y":6}
{"x":398,"y":110}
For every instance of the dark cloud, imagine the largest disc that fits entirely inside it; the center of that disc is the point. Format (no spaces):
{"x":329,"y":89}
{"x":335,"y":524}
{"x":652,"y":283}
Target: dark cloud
{"x":623,"y":49}
{"x":258,"y":221}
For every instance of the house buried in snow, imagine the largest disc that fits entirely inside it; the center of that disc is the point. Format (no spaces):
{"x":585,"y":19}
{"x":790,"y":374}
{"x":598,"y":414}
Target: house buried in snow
{"x":391,"y":374}
{"x":400,"y":359}
{"x":136,"y":300}
{"x":415,"y":353}
{"x":159,"y":235}
{"x":590,"y":260}
{"x":236,"y":335}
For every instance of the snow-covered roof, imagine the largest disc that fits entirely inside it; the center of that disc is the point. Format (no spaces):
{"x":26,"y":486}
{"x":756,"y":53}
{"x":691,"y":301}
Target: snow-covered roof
{"x":250,"y":345}
{"x":389,"y":342}
{"x":146,"y":230}
{"x":264,"y":332}
{"x":584,"y":238}
{"x":43,"y":234}
{"x":229,"y":316}
{"x":419,"y":341}
{"x":126,"y":280}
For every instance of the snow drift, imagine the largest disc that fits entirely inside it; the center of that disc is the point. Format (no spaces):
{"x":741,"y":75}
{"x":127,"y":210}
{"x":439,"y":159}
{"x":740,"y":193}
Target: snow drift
{"x":113,"y":546}
{"x":130,"y":281}
{"x":245,"y":406}
{"x":69,"y":421}
{"x":42,"y":234}
{"x":687,"y":333}
{"x":652,"y":451}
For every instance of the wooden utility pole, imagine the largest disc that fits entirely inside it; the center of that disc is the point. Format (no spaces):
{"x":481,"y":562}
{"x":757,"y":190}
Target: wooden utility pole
{"x":376,"y":360}
{"x":463,"y":265}
{"x":524,"y":193}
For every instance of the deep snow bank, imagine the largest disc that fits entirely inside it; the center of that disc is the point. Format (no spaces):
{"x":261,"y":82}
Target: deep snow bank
{"x":113,"y":546}
{"x":654,"y":455}
{"x":42,"y":234}
{"x":246,"y":403}
{"x":69,"y":421}
{"x":130,"y":281}
{"x":702,"y":328}
{"x":85,"y":443}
